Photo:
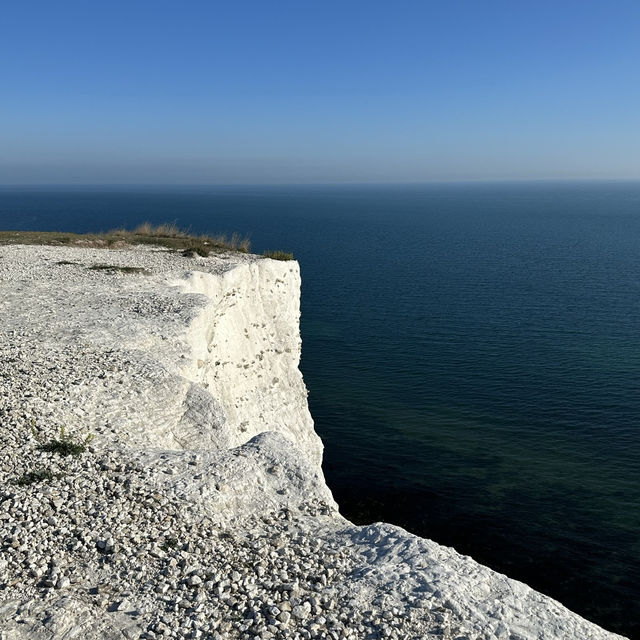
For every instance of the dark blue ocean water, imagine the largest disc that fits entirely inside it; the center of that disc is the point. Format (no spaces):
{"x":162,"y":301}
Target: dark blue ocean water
{"x":472,"y":354}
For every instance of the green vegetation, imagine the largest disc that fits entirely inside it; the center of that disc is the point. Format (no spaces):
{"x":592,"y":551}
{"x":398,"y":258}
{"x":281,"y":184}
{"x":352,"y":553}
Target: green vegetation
{"x":164,"y":235}
{"x":169,"y":543}
{"x":203,"y":251}
{"x":66,"y":445}
{"x":40,"y":475}
{"x":112,"y":267}
{"x":278,"y":255}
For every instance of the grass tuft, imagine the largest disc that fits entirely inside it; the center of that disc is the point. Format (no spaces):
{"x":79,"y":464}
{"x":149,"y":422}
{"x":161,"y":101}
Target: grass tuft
{"x":65,"y":445}
{"x":169,"y":543}
{"x":40,"y":475}
{"x":278,"y":255}
{"x":162,"y":230}
{"x":162,"y":235}
{"x":202,"y":250}
{"x":112,"y":267}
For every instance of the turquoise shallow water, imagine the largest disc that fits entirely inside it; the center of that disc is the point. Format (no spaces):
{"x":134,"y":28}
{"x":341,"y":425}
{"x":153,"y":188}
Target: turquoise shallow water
{"x":472,"y":354}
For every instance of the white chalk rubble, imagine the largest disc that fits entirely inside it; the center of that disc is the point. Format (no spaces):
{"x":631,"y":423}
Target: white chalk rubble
{"x":160,"y":475}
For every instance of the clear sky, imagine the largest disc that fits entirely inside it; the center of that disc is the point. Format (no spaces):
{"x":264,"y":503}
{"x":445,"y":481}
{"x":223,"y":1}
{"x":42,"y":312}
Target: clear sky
{"x":318,"y":91}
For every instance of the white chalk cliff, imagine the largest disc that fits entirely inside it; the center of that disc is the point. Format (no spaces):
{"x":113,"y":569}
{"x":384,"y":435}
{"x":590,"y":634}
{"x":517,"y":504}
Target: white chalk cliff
{"x":199,"y":508}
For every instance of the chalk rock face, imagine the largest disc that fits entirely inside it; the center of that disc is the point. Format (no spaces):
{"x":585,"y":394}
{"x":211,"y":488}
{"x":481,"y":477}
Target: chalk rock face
{"x":245,"y":347}
{"x":160,"y":475}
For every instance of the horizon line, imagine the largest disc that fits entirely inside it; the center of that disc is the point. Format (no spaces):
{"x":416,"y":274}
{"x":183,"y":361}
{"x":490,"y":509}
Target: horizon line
{"x":11,"y":185}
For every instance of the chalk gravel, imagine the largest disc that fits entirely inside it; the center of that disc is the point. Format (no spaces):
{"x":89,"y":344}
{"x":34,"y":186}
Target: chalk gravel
{"x":193,"y":513}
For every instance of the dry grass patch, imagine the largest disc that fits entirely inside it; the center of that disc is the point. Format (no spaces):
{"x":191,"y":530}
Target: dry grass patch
{"x":164,"y":235}
{"x":166,"y":230}
{"x":278,"y":255}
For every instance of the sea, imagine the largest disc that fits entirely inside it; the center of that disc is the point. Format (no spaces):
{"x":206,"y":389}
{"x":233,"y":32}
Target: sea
{"x":472,"y":354}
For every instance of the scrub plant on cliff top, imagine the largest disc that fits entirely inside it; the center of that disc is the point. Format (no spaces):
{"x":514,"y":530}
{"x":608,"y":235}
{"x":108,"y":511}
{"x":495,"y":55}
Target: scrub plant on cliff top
{"x":65,"y":445}
{"x":39,"y":475}
{"x":113,"y":268}
{"x":163,"y":235}
{"x":278,"y":255}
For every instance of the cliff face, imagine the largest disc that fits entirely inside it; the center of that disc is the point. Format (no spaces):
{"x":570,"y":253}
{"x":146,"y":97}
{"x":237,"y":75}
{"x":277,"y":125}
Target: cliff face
{"x":244,"y":350}
{"x":198,"y":509}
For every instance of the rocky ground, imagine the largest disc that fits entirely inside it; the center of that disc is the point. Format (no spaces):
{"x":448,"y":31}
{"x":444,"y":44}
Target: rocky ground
{"x":122,"y":516}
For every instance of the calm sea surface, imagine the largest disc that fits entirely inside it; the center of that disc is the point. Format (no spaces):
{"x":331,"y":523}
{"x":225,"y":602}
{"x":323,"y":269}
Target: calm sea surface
{"x":472,"y":354}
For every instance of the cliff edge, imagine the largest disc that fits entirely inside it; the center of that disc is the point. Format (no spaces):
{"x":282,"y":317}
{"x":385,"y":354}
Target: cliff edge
{"x":160,"y":474}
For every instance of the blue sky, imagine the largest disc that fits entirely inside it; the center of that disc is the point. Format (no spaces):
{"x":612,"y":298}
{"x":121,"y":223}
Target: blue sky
{"x":318,"y":91}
